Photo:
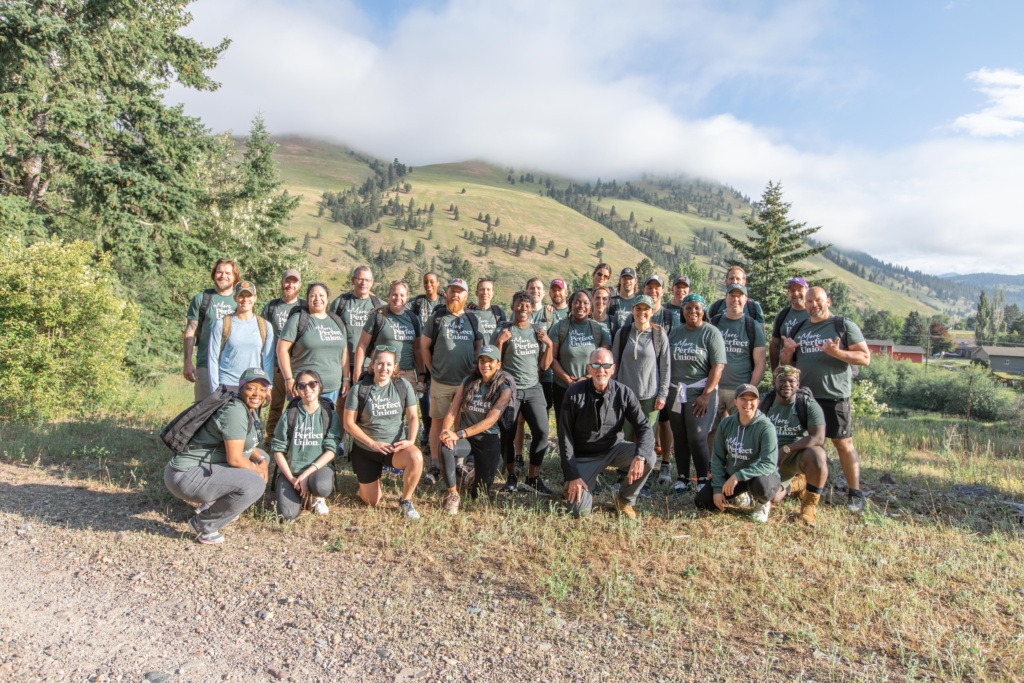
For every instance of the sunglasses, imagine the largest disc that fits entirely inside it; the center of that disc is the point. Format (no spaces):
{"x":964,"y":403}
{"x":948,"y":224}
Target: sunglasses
{"x":302,"y":386}
{"x":382,"y":347}
{"x":602,"y":366}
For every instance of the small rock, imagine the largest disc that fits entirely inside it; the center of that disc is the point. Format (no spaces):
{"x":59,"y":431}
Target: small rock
{"x":474,"y":610}
{"x":506,"y":650}
{"x":194,"y":665}
{"x":157,"y":677}
{"x":544,"y":647}
{"x":265,"y":615}
{"x":275,"y":672}
{"x":383,"y":653}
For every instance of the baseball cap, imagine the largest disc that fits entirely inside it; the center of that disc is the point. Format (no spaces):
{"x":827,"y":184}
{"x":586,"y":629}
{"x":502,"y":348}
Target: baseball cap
{"x":460,"y":283}
{"x":291,"y":272}
{"x":643,"y":300}
{"x":736,"y":287}
{"x":558,"y":282}
{"x":490,"y":351}
{"x":655,"y":278}
{"x":682,"y":280}
{"x":796,"y":281}
{"x":253,"y":375}
{"x":627,"y":272}
{"x":747,"y":389}
{"x":245,"y":286}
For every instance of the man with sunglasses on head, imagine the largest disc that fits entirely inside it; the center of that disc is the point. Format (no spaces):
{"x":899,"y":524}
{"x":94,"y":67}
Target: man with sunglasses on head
{"x":590,"y":438}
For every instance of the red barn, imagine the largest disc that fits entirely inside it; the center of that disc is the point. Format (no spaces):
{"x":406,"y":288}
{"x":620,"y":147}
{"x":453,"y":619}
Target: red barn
{"x":915,"y":354}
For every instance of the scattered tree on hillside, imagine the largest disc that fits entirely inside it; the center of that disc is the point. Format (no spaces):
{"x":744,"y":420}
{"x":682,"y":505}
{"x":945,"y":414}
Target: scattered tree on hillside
{"x":551,"y":247}
{"x":567,"y":252}
{"x":914,"y":332}
{"x":644,"y":270}
{"x":497,"y":222}
{"x":882,"y":325}
{"x":533,"y":243}
{"x":305,"y":242}
{"x":455,"y":214}
{"x":770,"y":254}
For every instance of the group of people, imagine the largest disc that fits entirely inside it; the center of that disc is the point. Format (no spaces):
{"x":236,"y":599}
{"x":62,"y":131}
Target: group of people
{"x":629,"y":372}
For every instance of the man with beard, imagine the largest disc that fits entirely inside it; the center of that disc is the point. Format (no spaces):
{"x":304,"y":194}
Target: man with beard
{"x":788,"y":317}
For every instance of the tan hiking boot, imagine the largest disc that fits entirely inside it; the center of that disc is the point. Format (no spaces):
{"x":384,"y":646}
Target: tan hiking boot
{"x":809,"y":507}
{"x":451,"y":503}
{"x":622,"y":509}
{"x":797,"y":485}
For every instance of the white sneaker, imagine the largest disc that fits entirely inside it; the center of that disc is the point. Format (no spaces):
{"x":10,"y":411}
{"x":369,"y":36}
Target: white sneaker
{"x":407,"y":509}
{"x":320,"y":506}
{"x":760,"y":513}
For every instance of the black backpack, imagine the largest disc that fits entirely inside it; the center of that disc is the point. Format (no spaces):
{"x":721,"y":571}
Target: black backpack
{"x":305,"y":319}
{"x":803,"y":395}
{"x":749,"y":323}
{"x":180,"y":431}
{"x":326,"y":410}
{"x":277,"y":303}
{"x":338,"y":305}
{"x":563,"y":331}
{"x":509,"y":418}
{"x":718,"y":308}
{"x":659,"y":345}
{"x":204,"y":309}
{"x":838,"y":321}
{"x":442,"y":310}
{"x":496,"y":311}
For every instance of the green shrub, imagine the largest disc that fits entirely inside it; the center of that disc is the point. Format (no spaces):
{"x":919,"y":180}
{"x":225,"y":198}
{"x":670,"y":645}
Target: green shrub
{"x":64,"y":330}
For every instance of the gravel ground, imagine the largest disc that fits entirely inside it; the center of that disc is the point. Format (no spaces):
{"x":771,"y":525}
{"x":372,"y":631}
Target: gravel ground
{"x":100,"y":584}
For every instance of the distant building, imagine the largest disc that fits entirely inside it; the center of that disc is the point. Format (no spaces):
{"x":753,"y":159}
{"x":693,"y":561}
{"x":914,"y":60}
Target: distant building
{"x":880,"y":346}
{"x":1003,"y":359}
{"x":887,"y":347}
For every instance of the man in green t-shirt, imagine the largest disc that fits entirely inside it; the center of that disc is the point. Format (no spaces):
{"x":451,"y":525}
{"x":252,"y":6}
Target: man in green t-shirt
{"x":745,"y":357}
{"x":354,"y":309}
{"x":621,"y":306}
{"x":276,"y":313}
{"x":204,"y":310}
{"x":800,"y":427}
{"x":825,"y":348}
{"x":744,"y":459}
{"x":737,"y":276}
{"x":789,"y":317}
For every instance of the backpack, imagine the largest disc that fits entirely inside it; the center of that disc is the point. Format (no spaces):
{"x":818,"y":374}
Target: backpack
{"x":595,"y":329}
{"x":180,"y":431}
{"x":509,"y":419}
{"x":379,"y":316}
{"x":838,"y":321}
{"x":442,"y":310}
{"x":339,"y":304}
{"x":226,"y":332}
{"x":204,"y":307}
{"x":326,"y":410}
{"x":272,"y":307}
{"x":749,"y":323}
{"x":718,"y":308}
{"x":417,"y":305}
{"x":305,"y":319}
{"x":803,"y":395}
{"x":537,"y":329}
{"x":659,"y":345}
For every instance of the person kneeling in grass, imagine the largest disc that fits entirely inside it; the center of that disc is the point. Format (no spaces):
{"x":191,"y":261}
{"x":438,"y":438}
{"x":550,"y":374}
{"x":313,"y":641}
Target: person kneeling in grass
{"x":373,"y":416}
{"x":744,"y":459}
{"x":304,"y":445}
{"x":222,"y":470}
{"x":800,"y":426}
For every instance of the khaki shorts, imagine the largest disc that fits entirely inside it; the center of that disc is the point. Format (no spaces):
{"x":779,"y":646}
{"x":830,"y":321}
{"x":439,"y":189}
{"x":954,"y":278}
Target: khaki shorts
{"x":726,"y":405}
{"x":441,"y":396}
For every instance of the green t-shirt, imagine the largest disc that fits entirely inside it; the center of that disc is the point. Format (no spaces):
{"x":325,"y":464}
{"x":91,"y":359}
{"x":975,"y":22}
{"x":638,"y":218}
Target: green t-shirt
{"x":455,"y":351}
{"x":738,"y":362}
{"x":220,"y":306}
{"x":520,"y":357}
{"x":623,"y":309}
{"x":488,"y":321}
{"x":424,"y":307}
{"x":826,"y":377}
{"x":383,"y":413}
{"x":747,"y":452}
{"x":308,"y":441}
{"x":753,"y":309}
{"x":230,"y":423}
{"x":475,"y":408}
{"x":606,"y":324}
{"x":280,"y":316}
{"x":787,"y":420}
{"x":693,"y":354}
{"x":579,"y":342}
{"x":397,"y":331}
{"x":355,"y":315}
{"x":320,"y":349}
{"x":784,"y":324}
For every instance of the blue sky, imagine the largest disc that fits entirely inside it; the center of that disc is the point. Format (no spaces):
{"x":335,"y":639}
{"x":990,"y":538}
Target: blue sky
{"x":897,"y":126}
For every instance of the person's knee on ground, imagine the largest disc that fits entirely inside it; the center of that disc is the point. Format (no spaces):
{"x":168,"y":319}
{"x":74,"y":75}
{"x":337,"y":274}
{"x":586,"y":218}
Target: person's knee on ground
{"x":583,"y":507}
{"x":370,"y":493}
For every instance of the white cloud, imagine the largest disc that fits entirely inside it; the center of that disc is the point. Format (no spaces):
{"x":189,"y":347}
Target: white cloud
{"x":603,"y":88}
{"x":1004,"y":116}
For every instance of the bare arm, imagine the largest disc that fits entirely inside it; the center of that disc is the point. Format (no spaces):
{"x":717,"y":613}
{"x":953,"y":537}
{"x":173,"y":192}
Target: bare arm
{"x":235,"y":449}
{"x":360,"y":354}
{"x":758,"y":373}
{"x":284,"y":361}
{"x":189,"y":343}
{"x":774,"y":349}
{"x":858,"y":354}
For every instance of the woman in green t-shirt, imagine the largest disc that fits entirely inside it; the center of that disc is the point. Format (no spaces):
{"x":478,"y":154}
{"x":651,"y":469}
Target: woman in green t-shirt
{"x":320,"y":346}
{"x":380,"y":414}
{"x":304,"y":445}
{"x":478,"y":403}
{"x":222,"y":470}
{"x":397,"y":326}
{"x":573,"y":339}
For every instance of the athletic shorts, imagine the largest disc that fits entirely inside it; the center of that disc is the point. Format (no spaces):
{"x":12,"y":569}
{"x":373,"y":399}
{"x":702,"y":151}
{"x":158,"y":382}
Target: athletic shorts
{"x":441,"y":396}
{"x":838,"y":418}
{"x":663,"y":413}
{"x":726,"y":405}
{"x":368,"y":464}
{"x":789,"y":465}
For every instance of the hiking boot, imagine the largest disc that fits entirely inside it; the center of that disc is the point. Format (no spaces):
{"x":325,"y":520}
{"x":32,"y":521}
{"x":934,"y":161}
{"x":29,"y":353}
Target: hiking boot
{"x":320,"y":506}
{"x":856,"y":502}
{"x":797,"y":486}
{"x":511,"y":484}
{"x":665,"y":475}
{"x":761,"y":511}
{"x":682,"y":485}
{"x":622,"y":509}
{"x":406,"y":508}
{"x":535,"y":485}
{"x":451,"y":503}
{"x":432,"y":476}
{"x":809,"y":507}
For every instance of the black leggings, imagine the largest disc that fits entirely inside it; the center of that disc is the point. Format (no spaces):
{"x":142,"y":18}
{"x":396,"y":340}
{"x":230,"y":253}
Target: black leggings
{"x":533,"y":407}
{"x":558,"y":397}
{"x":486,"y":451}
{"x":425,"y":418}
{"x":690,"y":437}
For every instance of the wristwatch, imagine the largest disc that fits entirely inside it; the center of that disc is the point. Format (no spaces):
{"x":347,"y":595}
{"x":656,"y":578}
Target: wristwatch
{"x":785,"y":449}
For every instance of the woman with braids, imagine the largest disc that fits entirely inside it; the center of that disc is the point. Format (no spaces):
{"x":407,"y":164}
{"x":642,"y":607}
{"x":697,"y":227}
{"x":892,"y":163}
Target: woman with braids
{"x":471,"y":425}
{"x":314,"y":340}
{"x":380,"y":414}
{"x":698,"y":359}
{"x":573,"y":340}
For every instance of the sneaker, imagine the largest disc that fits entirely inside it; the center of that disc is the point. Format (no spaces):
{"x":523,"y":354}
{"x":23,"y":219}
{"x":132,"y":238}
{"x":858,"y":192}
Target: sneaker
{"x":809,"y":507}
{"x":742,"y":500}
{"x":797,"y":486}
{"x":682,"y":486}
{"x":451,"y":503}
{"x":622,"y":509}
{"x":203,"y":508}
{"x":645,"y":492}
{"x":520,"y":464}
{"x":320,"y":506}
{"x":665,"y":476}
{"x":406,"y":508}
{"x":856,"y":502}
{"x":760,"y":513}
{"x":535,"y":485}
{"x":468,"y":477}
{"x":205,"y":537}
{"x":432,"y":476}
{"x":511,"y":484}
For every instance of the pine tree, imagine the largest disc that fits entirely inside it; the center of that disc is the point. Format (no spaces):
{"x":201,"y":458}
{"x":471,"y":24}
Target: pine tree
{"x":551,"y":246}
{"x":533,"y":243}
{"x":771,"y":252}
{"x":305,"y":242}
{"x":567,"y":252}
{"x":914,"y":331}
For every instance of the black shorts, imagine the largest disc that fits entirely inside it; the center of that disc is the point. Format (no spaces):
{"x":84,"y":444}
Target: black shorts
{"x":838,"y":418}
{"x":368,"y":464}
{"x":663,"y":413}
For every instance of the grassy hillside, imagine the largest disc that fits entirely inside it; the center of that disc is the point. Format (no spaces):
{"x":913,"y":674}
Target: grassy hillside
{"x":310,"y":168}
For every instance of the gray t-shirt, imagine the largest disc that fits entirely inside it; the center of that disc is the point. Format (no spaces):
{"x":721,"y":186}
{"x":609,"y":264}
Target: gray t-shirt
{"x":576,"y":341}
{"x":397,"y":331}
{"x":784,"y":324}
{"x":320,"y":349}
{"x":693,"y":354}
{"x":638,"y":367}
{"x":488,"y":321}
{"x":827,"y":377}
{"x":520,"y":357}
{"x":738,"y":363}
{"x":355,"y":315}
{"x":383,"y":413}
{"x":455,"y":350}
{"x":787,"y":421}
